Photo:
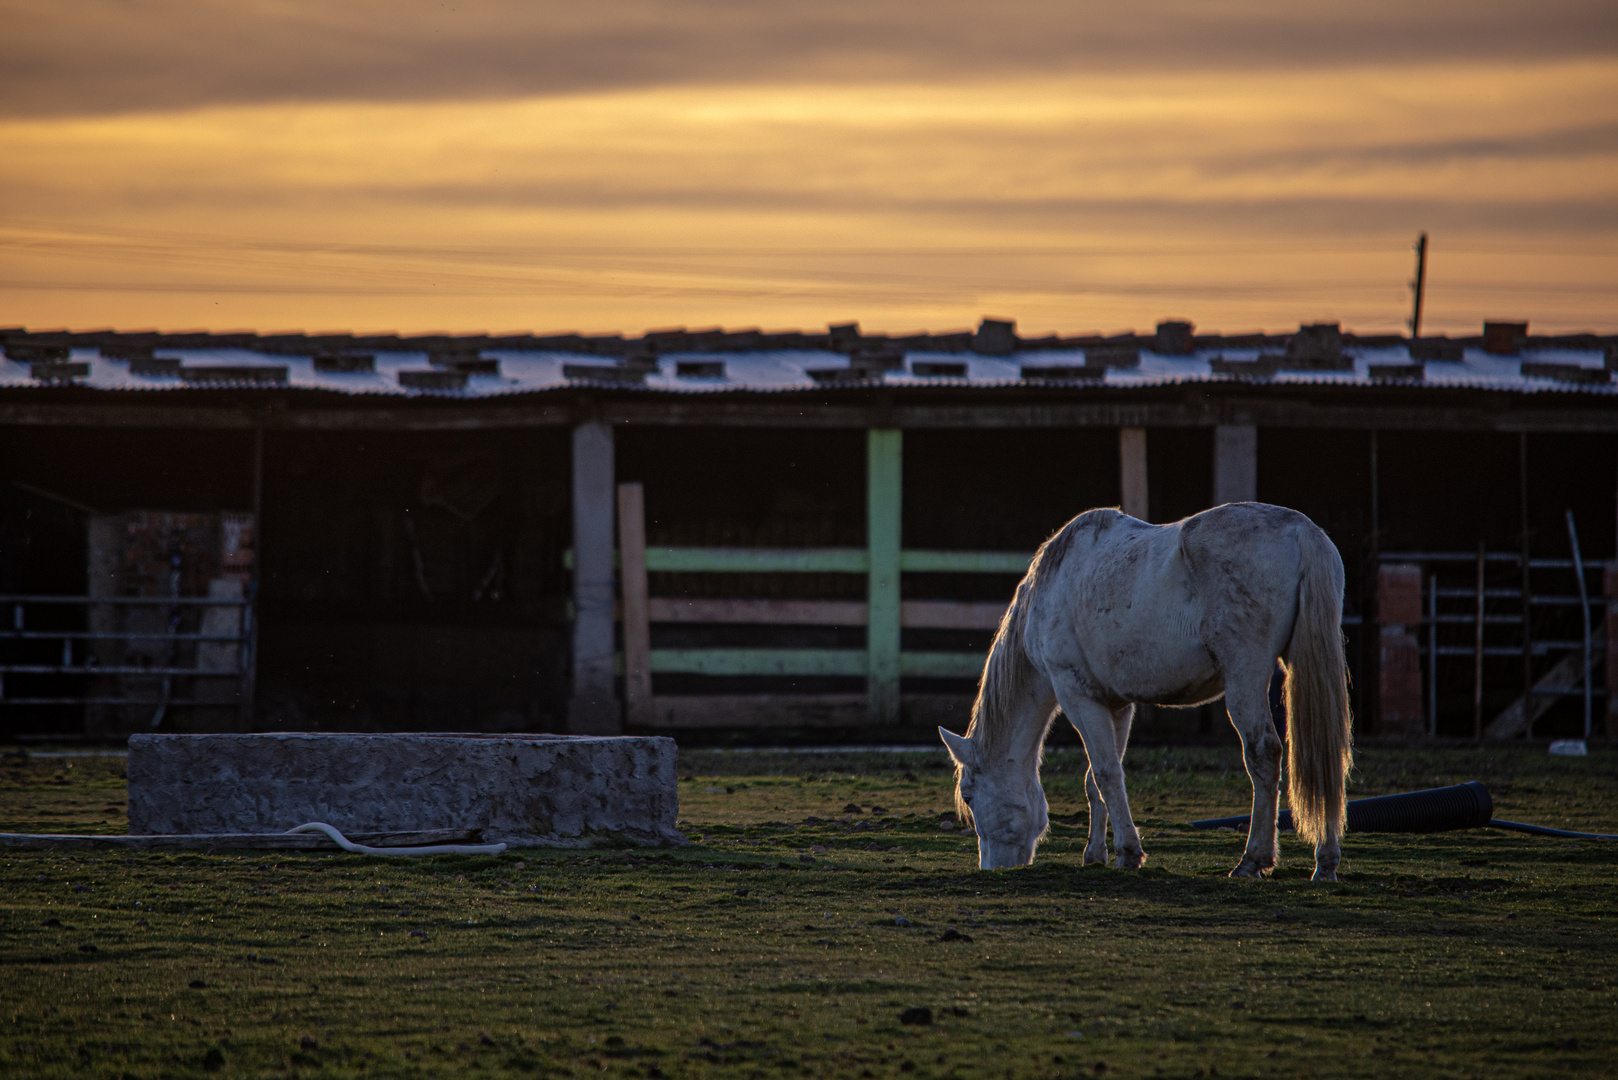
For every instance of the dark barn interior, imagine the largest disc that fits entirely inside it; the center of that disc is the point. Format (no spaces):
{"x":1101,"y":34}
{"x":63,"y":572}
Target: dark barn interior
{"x":416,"y":580}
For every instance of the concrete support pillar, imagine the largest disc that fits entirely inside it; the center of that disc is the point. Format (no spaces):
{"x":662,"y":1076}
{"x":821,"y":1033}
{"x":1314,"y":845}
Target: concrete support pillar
{"x":1132,"y":471}
{"x":593,"y":709}
{"x":1235,"y":463}
{"x":884,"y":475}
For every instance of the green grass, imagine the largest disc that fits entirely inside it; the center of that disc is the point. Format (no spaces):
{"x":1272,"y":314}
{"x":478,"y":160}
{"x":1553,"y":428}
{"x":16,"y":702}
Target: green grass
{"x":1462,"y":954}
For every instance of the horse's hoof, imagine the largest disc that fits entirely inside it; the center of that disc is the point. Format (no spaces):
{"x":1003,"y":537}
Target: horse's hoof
{"x":1324,"y":874}
{"x":1092,"y":858}
{"x":1250,"y":869}
{"x":1131,"y":860}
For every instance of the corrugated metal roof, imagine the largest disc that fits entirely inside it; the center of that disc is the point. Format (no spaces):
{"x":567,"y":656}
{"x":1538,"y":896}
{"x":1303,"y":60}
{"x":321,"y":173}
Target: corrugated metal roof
{"x":527,"y":371}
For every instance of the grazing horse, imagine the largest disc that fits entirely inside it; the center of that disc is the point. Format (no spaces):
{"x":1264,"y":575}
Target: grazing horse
{"x":1113,"y":612}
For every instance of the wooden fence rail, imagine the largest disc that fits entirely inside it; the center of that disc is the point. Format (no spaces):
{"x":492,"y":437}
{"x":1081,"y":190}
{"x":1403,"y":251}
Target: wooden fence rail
{"x":638,"y":610}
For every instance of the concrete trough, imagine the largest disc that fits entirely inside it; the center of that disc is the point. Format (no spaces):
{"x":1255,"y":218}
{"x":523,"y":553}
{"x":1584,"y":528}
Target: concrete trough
{"x":524,"y":790}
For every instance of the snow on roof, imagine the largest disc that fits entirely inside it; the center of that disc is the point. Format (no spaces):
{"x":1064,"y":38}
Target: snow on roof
{"x":410,"y":374}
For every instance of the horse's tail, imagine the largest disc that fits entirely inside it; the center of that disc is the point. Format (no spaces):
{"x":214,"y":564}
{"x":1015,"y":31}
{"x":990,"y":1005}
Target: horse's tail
{"x":1320,"y":740}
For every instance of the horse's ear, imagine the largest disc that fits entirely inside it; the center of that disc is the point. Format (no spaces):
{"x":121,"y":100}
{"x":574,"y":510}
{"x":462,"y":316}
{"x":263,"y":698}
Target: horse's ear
{"x":959,"y":746}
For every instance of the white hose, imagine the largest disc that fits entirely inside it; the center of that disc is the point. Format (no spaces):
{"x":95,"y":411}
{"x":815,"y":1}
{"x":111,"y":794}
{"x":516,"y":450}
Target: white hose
{"x":431,"y":849}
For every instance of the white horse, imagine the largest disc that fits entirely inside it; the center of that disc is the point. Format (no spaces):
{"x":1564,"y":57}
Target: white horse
{"x":1114,"y":611}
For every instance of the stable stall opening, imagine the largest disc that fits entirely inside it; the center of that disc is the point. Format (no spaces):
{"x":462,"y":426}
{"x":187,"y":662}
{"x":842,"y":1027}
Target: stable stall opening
{"x":81,"y":499}
{"x":415,"y":581}
{"x":1496,"y":512}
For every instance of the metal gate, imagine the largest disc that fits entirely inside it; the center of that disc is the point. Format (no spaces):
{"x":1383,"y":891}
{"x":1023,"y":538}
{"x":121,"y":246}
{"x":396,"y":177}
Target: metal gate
{"x":128,"y":654}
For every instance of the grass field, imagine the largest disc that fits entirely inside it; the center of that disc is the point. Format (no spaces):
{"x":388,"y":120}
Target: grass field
{"x":812,"y":910}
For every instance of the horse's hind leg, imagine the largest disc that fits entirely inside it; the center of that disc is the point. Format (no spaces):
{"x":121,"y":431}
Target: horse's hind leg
{"x":1095,"y":850}
{"x":1328,"y":853}
{"x":1247,"y":702}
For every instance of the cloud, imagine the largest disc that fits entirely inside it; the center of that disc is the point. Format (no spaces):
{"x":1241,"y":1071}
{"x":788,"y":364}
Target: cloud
{"x":95,"y":57}
{"x":615,"y":165}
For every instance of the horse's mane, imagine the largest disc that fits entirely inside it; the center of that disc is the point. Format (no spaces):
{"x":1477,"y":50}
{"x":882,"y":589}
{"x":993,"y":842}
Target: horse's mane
{"x":1008,"y":670}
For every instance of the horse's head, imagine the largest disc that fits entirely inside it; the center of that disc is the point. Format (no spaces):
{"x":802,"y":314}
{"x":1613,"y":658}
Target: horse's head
{"x":1002,"y":798}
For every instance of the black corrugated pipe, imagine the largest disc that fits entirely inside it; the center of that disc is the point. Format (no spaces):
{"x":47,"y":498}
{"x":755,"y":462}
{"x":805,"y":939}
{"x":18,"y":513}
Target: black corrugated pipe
{"x":1445,"y":809}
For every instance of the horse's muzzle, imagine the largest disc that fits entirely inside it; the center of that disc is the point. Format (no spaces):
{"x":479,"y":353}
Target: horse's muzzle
{"x":993,"y":856}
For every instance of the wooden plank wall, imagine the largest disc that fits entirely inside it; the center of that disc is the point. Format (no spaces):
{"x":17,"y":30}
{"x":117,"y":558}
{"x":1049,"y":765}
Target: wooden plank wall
{"x":638,"y":610}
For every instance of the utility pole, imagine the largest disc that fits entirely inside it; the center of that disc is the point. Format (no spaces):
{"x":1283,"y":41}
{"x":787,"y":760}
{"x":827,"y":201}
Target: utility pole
{"x":1419,"y":286}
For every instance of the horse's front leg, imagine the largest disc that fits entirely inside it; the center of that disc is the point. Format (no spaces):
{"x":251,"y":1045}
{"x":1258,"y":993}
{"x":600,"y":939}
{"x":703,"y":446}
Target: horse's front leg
{"x":1094,"y":723}
{"x":1247,"y":702}
{"x":1095,"y":851}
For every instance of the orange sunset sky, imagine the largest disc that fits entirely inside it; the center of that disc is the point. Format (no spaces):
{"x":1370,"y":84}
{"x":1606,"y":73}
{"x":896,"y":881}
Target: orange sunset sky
{"x":501,"y":165}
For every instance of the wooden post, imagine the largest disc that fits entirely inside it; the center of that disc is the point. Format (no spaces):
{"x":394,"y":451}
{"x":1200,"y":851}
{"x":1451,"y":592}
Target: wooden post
{"x":593,"y":709}
{"x":1609,"y":583}
{"x":636,"y":605}
{"x":884,"y":476}
{"x":1419,"y":286}
{"x":1368,"y":654}
{"x":1432,"y":655}
{"x":1477,"y":659}
{"x":1132,"y":471}
{"x":1527,"y":563}
{"x":1584,"y":610}
{"x":1235,"y":463}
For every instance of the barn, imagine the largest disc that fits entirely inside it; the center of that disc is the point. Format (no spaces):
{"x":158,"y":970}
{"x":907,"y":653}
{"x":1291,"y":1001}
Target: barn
{"x":740,"y":536}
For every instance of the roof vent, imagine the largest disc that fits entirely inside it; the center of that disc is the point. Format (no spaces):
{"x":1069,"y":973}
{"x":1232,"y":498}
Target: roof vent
{"x":466,"y":361}
{"x":120,"y":351}
{"x":432,"y":379}
{"x":1260,"y":367}
{"x":1411,"y":372}
{"x":699,"y":369}
{"x":58,"y":370}
{"x":845,"y":337}
{"x":1318,"y":347}
{"x":1569,"y":373}
{"x":33,"y":352}
{"x":1504,"y":338}
{"x":1174,"y":339}
{"x":938,"y":369}
{"x":1064,"y":372}
{"x":344,"y":361}
{"x":154,"y":365}
{"x":613,"y":373}
{"x":235,"y":373}
{"x":1436,"y":348}
{"x":995,"y":337}
{"x":1112,"y":354}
